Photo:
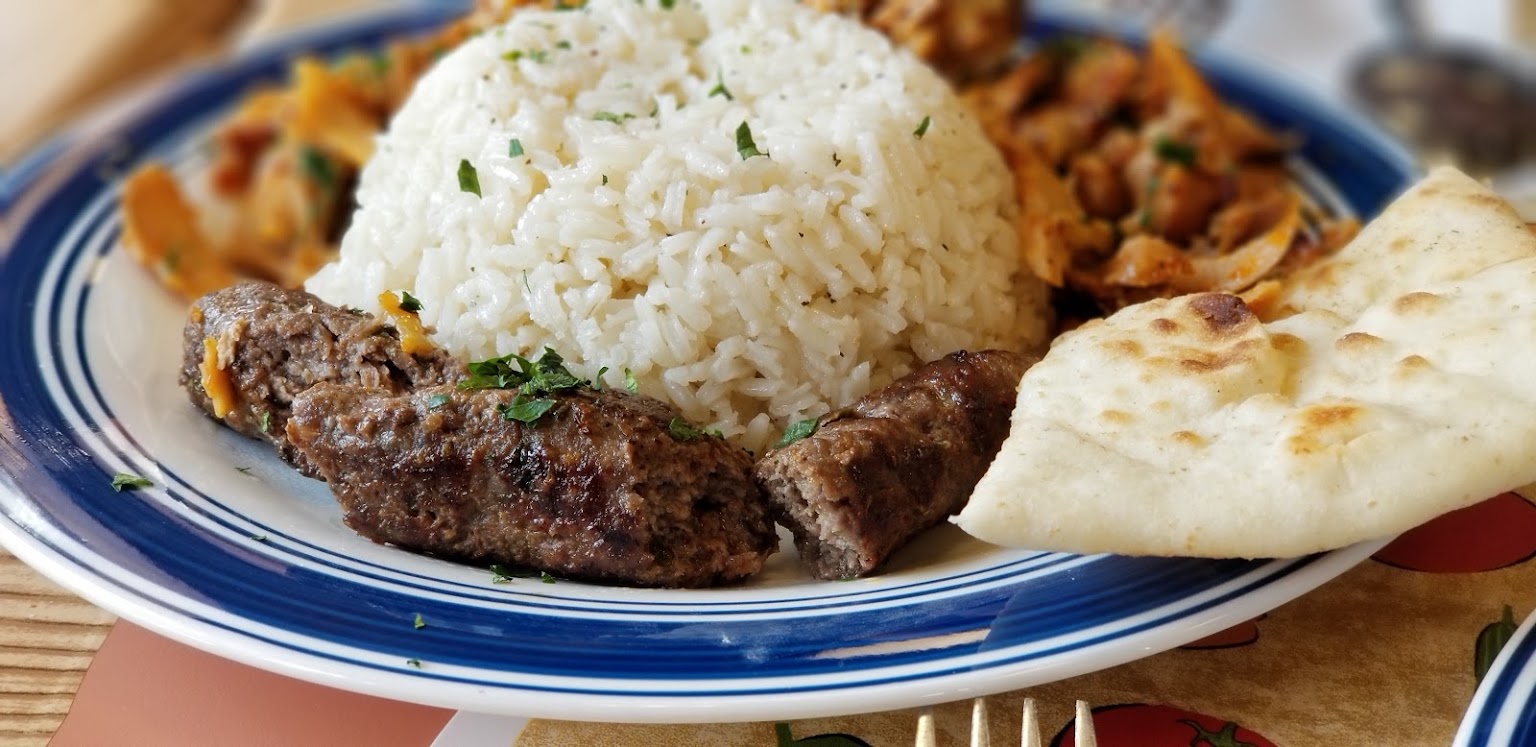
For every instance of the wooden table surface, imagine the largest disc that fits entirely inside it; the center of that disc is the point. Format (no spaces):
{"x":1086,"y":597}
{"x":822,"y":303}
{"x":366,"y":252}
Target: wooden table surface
{"x":83,"y":52}
{"x":47,"y":638}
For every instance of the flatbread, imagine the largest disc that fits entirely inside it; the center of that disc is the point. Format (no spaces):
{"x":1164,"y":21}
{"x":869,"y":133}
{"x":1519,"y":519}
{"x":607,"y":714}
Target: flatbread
{"x":1383,"y":399}
{"x":1446,"y":227}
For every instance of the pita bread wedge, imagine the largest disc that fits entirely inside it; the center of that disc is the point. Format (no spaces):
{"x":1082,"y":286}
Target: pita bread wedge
{"x":1446,"y":227}
{"x":1190,"y":427}
{"x":1459,"y":225}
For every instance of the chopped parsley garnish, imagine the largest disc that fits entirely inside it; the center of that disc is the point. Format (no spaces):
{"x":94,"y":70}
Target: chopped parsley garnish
{"x":570,"y":4}
{"x":437,"y":400}
{"x":469,"y":179}
{"x":526,"y":409}
{"x":605,"y":180}
{"x":418,"y":623}
{"x":381,"y":62}
{"x":597,"y":381}
{"x":1065,"y":50}
{"x":1174,"y":151}
{"x":745,"y":145}
{"x":682,"y":431}
{"x":545,"y":376}
{"x":533,"y":380}
{"x":317,"y":168}
{"x":413,"y":663}
{"x":1145,"y":219}
{"x":501,"y":574}
{"x":922,"y":128}
{"x":611,"y":117}
{"x":836,"y":161}
{"x":172,"y":258}
{"x":562,"y":44}
{"x":746,"y":49}
{"x":125,"y":481}
{"x":720,"y":89}
{"x":630,"y":383}
{"x":668,"y":4}
{"x":540,"y":56}
{"x":409,"y":303}
{"x":797,"y":431}
{"x":266,"y":422}
{"x":243,"y":470}
{"x":545,"y":577}
{"x":514,"y":147}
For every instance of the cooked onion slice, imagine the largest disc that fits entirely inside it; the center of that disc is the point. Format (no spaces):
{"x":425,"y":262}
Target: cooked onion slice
{"x":215,"y":380}
{"x":1237,"y":270}
{"x":160,"y":231}
{"x":413,"y":336}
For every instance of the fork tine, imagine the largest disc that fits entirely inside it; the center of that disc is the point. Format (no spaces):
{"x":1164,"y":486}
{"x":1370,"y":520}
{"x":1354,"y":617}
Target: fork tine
{"x":1029,"y":726}
{"x":1030,"y":729}
{"x":981,"y":736}
{"x":1084,"y":724}
{"x":925,"y":735}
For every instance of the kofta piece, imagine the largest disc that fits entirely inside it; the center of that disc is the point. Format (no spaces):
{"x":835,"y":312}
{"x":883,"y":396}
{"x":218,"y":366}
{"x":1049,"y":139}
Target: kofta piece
{"x":603,"y":486}
{"x":269,"y":344}
{"x":874,"y":475}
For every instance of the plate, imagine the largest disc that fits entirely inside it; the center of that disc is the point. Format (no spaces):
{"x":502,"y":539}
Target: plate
{"x":1503,"y":711}
{"x":232,"y":552}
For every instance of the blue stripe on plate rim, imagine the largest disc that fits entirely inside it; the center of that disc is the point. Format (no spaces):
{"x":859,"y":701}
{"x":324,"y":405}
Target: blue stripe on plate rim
{"x":1503,"y":711}
{"x":1034,"y":619}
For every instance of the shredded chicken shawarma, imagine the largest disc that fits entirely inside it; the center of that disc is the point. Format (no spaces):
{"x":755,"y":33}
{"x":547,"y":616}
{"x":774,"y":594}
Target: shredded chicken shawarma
{"x":1137,"y":181}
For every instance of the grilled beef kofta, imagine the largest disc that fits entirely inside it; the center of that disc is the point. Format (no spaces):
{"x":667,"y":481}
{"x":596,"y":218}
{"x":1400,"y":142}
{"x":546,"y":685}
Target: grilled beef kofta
{"x":603,"y":486}
{"x":507,"y":461}
{"x":520,"y":463}
{"x":249,"y":349}
{"x":877,"y":473}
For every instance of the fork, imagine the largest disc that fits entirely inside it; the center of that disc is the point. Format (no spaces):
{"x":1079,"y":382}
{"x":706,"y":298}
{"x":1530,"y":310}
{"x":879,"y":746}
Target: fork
{"x":981,"y":735}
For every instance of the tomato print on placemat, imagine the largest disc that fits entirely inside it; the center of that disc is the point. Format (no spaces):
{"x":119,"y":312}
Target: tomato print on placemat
{"x":1143,"y":725}
{"x":1496,"y":533}
{"x":1245,"y":633}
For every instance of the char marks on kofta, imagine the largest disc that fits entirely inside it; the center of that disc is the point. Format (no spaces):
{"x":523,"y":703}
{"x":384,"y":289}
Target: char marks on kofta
{"x":578,"y":482}
{"x":605,"y":486}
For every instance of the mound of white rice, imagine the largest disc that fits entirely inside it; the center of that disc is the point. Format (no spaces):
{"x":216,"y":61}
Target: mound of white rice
{"x":619,"y":222}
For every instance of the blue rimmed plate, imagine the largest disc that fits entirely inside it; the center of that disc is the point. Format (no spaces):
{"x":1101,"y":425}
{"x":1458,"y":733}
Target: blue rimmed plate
{"x":232,"y":552}
{"x":1503,"y":711}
